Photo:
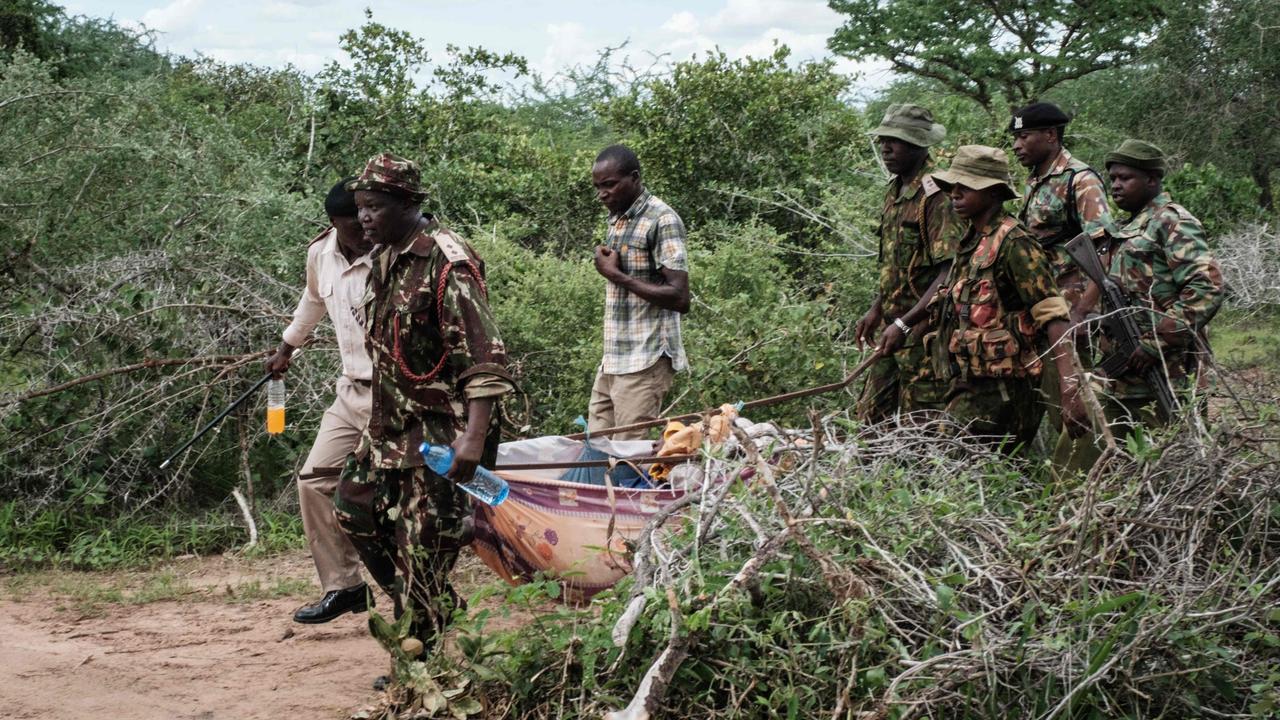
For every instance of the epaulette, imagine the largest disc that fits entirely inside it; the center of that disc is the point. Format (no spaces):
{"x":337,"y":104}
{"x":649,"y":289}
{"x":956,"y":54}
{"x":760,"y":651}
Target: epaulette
{"x":451,"y":246}
{"x":930,"y":185}
{"x":1183,"y":213}
{"x":448,"y":243}
{"x":323,"y":234}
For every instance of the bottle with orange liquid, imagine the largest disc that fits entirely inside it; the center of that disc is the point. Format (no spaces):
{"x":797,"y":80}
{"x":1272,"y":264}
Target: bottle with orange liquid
{"x":275,"y":407}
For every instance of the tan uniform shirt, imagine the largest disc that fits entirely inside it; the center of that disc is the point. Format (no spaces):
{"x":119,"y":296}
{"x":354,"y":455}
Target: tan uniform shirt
{"x":337,"y":288}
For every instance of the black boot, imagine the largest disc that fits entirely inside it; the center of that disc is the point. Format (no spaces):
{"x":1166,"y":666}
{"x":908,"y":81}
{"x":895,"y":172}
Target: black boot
{"x":334,"y":603}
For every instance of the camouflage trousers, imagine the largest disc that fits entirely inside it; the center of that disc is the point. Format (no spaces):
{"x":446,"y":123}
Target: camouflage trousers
{"x":408,"y":526}
{"x":997,"y":408}
{"x":902,"y":382}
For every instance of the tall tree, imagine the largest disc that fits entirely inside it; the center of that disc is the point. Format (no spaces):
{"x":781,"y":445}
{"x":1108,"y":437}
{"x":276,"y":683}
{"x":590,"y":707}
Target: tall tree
{"x":991,"y":49}
{"x":1218,"y":89}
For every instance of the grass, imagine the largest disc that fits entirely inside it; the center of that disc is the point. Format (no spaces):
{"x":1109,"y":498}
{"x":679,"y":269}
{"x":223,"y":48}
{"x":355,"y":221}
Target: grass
{"x":1243,"y":341}
{"x":280,"y":587}
{"x":84,"y":539}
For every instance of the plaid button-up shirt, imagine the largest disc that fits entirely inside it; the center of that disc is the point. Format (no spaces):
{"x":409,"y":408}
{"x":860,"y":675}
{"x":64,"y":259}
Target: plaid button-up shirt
{"x":647,"y":237}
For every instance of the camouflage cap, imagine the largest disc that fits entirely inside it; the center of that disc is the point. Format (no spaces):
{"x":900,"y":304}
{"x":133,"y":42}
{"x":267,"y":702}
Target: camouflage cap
{"x":978,"y":167}
{"x":392,"y":174}
{"x":911,"y":124}
{"x":1138,"y":154}
{"x":1038,"y":116}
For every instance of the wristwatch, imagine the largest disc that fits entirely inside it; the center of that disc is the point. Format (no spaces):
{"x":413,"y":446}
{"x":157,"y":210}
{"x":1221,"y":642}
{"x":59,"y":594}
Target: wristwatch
{"x":905,"y":328}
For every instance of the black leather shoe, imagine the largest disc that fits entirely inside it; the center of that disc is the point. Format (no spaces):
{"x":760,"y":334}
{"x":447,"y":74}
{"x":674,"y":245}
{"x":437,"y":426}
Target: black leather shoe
{"x":334,"y":603}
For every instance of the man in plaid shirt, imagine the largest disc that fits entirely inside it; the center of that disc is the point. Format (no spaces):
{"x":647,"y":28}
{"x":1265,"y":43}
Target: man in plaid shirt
{"x":647,"y":269}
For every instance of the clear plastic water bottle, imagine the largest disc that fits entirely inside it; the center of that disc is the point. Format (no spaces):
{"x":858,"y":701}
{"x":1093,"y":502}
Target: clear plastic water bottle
{"x":484,"y":486}
{"x":275,"y":406}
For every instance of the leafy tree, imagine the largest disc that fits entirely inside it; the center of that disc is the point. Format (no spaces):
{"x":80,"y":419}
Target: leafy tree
{"x":992,"y":49}
{"x":717,"y":131}
{"x":31,"y":25}
{"x":1216,"y":93}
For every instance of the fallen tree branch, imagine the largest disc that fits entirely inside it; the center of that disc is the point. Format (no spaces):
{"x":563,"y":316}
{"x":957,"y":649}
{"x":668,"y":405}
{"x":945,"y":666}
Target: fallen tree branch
{"x":144,"y":365}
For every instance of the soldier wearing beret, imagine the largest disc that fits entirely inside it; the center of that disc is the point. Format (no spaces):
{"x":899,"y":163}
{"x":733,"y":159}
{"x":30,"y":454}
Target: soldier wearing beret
{"x":1063,"y":198}
{"x":919,"y":233}
{"x":998,"y":309}
{"x":1161,"y":259}
{"x":439,"y":368}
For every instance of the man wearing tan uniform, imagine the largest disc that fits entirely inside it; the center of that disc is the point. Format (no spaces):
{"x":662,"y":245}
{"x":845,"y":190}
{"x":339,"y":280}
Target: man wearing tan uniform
{"x":338,"y":263}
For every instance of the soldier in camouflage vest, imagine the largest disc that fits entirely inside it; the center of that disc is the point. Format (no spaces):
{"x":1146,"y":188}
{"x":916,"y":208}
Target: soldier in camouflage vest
{"x":1064,"y":197}
{"x":439,"y":369}
{"x":1161,"y":259}
{"x":919,"y":233}
{"x":998,"y":307}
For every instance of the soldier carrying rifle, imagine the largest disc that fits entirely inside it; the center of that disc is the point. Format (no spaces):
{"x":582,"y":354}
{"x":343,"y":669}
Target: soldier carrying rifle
{"x":1161,"y":262}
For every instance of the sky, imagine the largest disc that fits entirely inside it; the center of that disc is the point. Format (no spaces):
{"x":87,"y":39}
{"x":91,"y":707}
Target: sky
{"x":550,"y":35}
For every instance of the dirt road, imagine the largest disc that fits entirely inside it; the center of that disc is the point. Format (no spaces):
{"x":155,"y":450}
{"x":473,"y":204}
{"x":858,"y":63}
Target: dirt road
{"x":204,"y":639}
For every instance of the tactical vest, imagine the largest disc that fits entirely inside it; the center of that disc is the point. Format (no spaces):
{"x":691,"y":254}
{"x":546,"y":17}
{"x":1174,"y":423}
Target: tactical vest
{"x":990,"y":341}
{"x":1073,"y":226}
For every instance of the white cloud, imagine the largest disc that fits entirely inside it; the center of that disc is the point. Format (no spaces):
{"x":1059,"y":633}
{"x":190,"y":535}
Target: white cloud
{"x":282,"y":11}
{"x":802,"y":45}
{"x":755,"y":15}
{"x":568,"y":45}
{"x":683,"y":23}
{"x":177,"y":16}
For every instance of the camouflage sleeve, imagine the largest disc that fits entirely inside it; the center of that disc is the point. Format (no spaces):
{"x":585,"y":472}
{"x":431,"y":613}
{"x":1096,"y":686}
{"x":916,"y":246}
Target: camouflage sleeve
{"x":1091,"y":205}
{"x":944,"y":227}
{"x":470,"y":331}
{"x":669,"y":245}
{"x":1195,"y":274}
{"x":1027,"y":268}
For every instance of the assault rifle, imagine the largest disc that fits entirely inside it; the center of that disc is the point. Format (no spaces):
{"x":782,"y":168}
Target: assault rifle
{"x":1120,"y":325}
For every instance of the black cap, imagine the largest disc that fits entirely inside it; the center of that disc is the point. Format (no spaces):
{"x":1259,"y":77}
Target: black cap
{"x":1038,"y":116}
{"x":341,"y":202}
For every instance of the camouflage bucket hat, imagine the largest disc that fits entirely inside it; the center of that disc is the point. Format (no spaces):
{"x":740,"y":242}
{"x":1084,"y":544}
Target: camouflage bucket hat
{"x":1138,"y":154}
{"x":391,"y":174}
{"x":910,"y":123}
{"x":978,"y":167}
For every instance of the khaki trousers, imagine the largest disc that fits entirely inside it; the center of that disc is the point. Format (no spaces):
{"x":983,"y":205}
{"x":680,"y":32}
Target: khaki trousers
{"x":631,"y":398}
{"x":336,"y":560}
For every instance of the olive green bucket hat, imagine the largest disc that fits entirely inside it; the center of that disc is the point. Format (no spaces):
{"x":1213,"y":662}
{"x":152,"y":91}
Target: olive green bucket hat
{"x":978,"y":167}
{"x":910,"y":123}
{"x":1139,"y":154}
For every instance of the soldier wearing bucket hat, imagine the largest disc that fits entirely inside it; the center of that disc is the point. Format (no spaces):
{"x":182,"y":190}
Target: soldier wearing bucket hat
{"x":439,"y":368}
{"x":919,"y":233}
{"x":998,"y":310}
{"x":1161,"y":258}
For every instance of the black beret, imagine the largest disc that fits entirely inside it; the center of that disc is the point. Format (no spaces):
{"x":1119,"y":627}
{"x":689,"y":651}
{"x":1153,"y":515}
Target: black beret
{"x":340,"y":202}
{"x":1038,"y":116}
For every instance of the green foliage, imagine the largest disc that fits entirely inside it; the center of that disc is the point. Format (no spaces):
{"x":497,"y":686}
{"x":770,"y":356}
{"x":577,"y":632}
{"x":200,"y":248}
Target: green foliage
{"x":976,"y":567}
{"x":989,"y":50}
{"x":87,"y":540}
{"x":716,"y":130}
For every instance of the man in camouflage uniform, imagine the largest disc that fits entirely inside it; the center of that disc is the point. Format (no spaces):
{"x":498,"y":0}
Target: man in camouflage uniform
{"x":919,"y":233}
{"x":1064,"y":197}
{"x":997,"y":307}
{"x":439,"y":368}
{"x":1160,"y":258}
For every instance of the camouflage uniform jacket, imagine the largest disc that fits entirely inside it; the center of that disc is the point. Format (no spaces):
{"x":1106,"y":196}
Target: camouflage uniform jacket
{"x":997,"y":301}
{"x":919,"y":230}
{"x":1049,"y":212}
{"x":434,"y":346}
{"x":1162,"y":260}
